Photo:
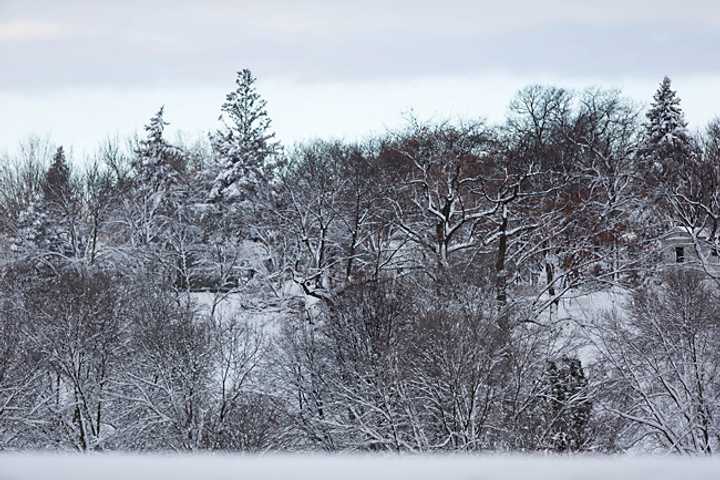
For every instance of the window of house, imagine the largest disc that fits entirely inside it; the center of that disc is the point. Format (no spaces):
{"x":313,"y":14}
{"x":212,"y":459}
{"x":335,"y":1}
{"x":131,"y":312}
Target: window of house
{"x":679,"y":254}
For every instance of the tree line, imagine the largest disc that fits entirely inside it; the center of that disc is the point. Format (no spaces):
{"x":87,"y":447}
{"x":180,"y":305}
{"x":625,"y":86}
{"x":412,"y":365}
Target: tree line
{"x":400,"y":293}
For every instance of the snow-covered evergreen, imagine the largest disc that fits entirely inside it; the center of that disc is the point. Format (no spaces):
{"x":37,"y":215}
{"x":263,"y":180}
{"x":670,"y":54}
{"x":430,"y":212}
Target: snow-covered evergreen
{"x":667,"y":141}
{"x":245,"y":147}
{"x":159,"y":165}
{"x":45,"y":227}
{"x":57,"y":187}
{"x":567,"y":404}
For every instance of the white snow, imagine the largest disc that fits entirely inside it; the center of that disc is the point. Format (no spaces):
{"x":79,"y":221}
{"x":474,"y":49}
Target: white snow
{"x":585,"y":308}
{"x":314,"y":467}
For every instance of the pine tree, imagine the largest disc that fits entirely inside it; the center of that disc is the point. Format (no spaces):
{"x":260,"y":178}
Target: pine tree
{"x":712,"y":140}
{"x":246,"y":147}
{"x":158,"y":165}
{"x":57,"y":188}
{"x":667,"y":143}
{"x":31,"y":230}
{"x":567,"y":407}
{"x":47,"y":228}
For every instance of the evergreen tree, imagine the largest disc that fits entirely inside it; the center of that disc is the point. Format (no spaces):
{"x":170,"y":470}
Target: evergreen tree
{"x":712,"y":140}
{"x":667,"y":145}
{"x":47,"y":228}
{"x":245,"y":147}
{"x":31,"y":230}
{"x":567,"y":406}
{"x":158,"y":165}
{"x":163,"y":223}
{"x":57,"y":188}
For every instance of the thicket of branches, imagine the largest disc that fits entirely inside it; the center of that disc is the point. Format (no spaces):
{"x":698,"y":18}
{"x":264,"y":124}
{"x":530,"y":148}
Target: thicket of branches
{"x":402,"y":293}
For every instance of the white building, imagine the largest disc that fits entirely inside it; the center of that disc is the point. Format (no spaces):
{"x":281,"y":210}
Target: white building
{"x":688,"y":248}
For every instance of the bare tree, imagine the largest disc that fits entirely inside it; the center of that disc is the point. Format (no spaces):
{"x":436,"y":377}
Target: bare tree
{"x":664,"y":358}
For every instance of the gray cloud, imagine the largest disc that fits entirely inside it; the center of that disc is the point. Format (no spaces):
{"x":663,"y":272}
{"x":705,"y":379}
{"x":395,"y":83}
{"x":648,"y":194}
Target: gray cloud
{"x":75,"y":43}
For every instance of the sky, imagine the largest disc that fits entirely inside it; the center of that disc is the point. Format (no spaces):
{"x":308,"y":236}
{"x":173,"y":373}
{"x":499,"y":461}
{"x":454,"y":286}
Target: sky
{"x":78,"y":71}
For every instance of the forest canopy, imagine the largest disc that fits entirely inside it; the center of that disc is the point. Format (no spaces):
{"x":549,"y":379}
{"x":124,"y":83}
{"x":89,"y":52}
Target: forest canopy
{"x":410,"y":291}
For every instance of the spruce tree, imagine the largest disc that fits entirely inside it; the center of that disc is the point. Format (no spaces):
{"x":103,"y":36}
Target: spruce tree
{"x":160,"y":197}
{"x":567,"y":407}
{"x":245,"y":147}
{"x":712,"y":140}
{"x":47,"y":228}
{"x":31,"y":230}
{"x":667,"y":143}
{"x":57,"y":188}
{"x":158,"y":164}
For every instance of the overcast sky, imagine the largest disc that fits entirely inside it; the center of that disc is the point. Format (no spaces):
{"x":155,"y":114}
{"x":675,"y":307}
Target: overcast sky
{"x":80,"y":70}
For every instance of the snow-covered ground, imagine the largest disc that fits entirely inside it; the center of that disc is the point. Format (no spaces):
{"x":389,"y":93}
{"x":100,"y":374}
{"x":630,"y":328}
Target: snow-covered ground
{"x":271,"y":467}
{"x":586,"y":307}
{"x":580,"y":313}
{"x":236,"y":305}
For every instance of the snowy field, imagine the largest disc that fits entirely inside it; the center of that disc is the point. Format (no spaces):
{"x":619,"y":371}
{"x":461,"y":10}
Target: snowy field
{"x":271,"y":467}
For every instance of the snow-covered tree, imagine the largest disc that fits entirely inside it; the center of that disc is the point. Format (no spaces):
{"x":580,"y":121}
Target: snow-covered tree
{"x":667,"y":143}
{"x":159,"y":204}
{"x":158,"y":164}
{"x":47,"y":226}
{"x":567,"y":404}
{"x":57,"y":187}
{"x":711,"y":139}
{"x":31,"y":229}
{"x":245,"y":147}
{"x":663,"y":355}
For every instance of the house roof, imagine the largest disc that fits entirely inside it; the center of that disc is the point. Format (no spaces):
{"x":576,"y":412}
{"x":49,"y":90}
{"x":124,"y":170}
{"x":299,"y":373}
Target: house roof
{"x":682,"y":232}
